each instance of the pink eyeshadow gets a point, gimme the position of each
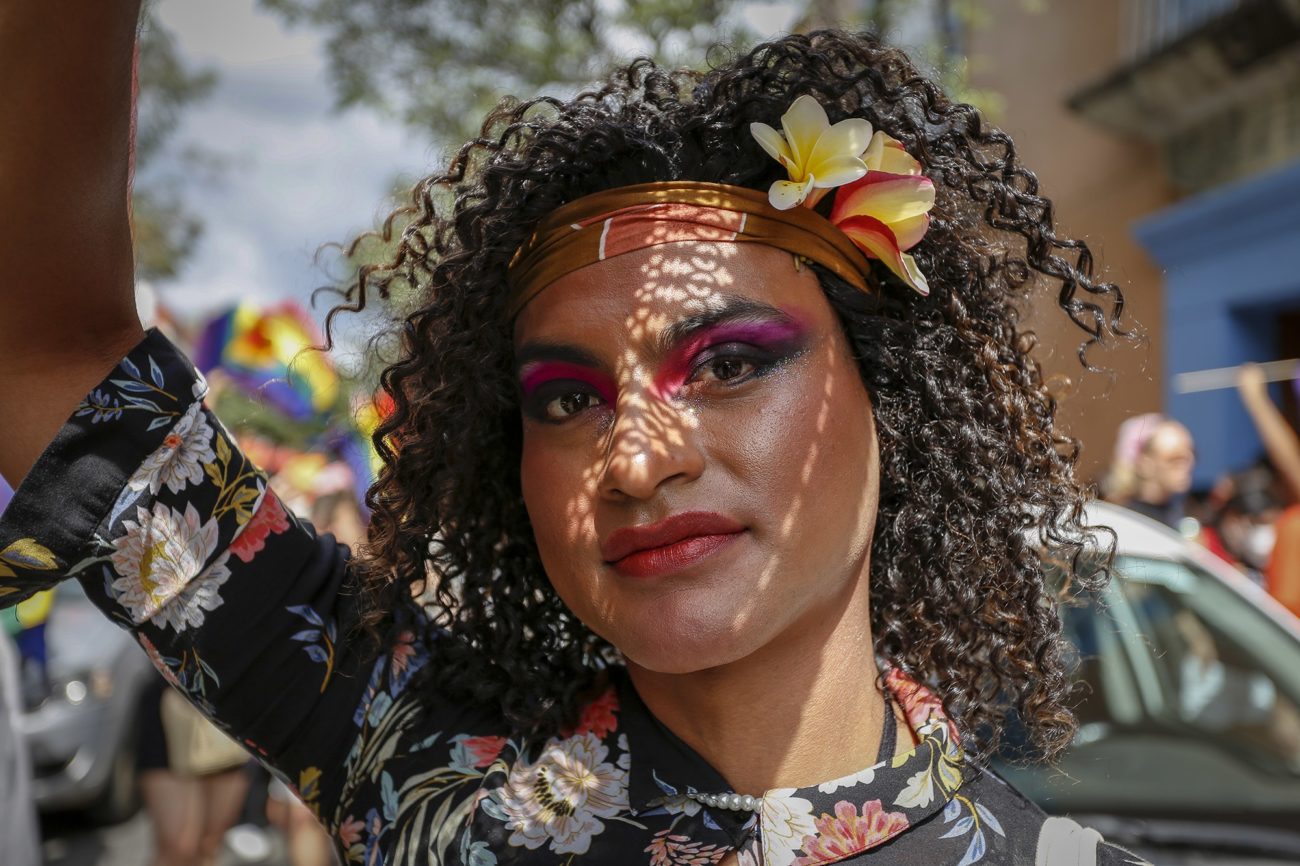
(768, 336)
(535, 375)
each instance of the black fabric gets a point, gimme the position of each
(150, 739)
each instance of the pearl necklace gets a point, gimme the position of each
(732, 801)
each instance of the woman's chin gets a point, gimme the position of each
(688, 645)
(679, 660)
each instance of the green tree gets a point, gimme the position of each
(165, 230)
(440, 64)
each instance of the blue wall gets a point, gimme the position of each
(1231, 259)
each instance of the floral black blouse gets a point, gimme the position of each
(144, 497)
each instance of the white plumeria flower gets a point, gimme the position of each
(817, 155)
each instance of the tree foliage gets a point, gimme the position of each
(165, 230)
(440, 64)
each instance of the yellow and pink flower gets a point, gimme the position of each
(883, 201)
(817, 155)
(888, 211)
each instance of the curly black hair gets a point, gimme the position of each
(976, 481)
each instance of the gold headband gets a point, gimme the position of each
(617, 221)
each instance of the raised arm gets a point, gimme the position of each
(1280, 442)
(126, 481)
(67, 308)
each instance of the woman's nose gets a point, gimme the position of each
(652, 442)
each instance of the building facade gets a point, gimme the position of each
(1167, 132)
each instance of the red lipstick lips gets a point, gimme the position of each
(669, 545)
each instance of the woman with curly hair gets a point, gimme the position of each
(719, 468)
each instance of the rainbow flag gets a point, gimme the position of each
(262, 349)
(367, 418)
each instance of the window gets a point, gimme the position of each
(1189, 702)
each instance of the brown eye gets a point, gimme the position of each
(726, 368)
(569, 404)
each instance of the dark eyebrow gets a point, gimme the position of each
(547, 351)
(734, 308)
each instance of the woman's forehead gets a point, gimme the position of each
(637, 296)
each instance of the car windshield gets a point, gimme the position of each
(1188, 701)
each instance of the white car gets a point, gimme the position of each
(1188, 749)
(80, 730)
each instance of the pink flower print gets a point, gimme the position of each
(400, 655)
(678, 850)
(918, 703)
(350, 831)
(482, 751)
(156, 657)
(269, 518)
(846, 832)
(600, 717)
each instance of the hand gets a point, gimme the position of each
(1251, 383)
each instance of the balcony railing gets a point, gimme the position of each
(1149, 25)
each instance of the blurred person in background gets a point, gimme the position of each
(1241, 530)
(338, 513)
(1282, 573)
(1151, 471)
(190, 807)
(1162, 473)
(307, 842)
(1120, 480)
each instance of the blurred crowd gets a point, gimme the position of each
(1250, 517)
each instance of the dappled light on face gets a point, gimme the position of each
(790, 521)
(814, 448)
(715, 382)
(649, 440)
(687, 281)
(579, 514)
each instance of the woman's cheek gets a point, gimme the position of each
(558, 494)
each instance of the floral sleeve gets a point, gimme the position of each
(145, 498)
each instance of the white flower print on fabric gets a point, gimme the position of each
(625, 759)
(561, 797)
(785, 821)
(160, 566)
(862, 777)
(179, 461)
(919, 791)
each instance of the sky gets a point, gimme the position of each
(298, 173)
